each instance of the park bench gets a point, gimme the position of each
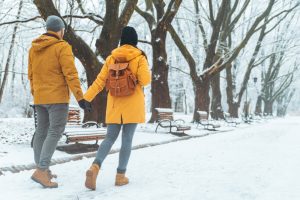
(74, 115)
(76, 132)
(165, 119)
(205, 122)
(230, 120)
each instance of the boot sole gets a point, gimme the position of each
(45, 186)
(121, 184)
(88, 181)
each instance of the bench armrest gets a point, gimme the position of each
(89, 124)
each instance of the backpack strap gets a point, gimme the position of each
(118, 66)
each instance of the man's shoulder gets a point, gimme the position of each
(63, 44)
(64, 47)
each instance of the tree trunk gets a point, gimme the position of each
(201, 98)
(234, 110)
(113, 25)
(283, 102)
(109, 40)
(280, 107)
(160, 71)
(10, 51)
(233, 105)
(246, 109)
(12, 87)
(216, 104)
(268, 108)
(258, 107)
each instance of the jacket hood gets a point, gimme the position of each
(126, 53)
(45, 41)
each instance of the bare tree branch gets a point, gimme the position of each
(147, 16)
(127, 12)
(86, 16)
(20, 21)
(211, 12)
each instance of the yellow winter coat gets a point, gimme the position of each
(128, 109)
(51, 71)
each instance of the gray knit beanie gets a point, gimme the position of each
(54, 23)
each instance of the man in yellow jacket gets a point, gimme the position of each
(52, 74)
(122, 111)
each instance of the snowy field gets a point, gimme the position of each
(258, 162)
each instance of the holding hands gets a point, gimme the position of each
(84, 104)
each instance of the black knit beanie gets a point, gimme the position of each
(129, 36)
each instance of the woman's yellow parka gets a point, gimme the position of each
(128, 109)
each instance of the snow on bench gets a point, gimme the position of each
(167, 110)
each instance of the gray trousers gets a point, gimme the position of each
(51, 122)
(113, 131)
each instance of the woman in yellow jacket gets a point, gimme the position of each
(122, 111)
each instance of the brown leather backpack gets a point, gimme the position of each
(121, 81)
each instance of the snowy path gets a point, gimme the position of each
(260, 162)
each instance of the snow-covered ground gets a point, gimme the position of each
(16, 134)
(260, 162)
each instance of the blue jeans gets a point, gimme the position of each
(113, 131)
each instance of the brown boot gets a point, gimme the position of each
(91, 176)
(51, 175)
(121, 179)
(42, 177)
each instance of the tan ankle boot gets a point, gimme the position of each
(91, 176)
(42, 177)
(121, 179)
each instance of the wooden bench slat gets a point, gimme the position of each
(78, 131)
(184, 128)
(162, 118)
(86, 136)
(82, 139)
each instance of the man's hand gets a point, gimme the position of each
(84, 104)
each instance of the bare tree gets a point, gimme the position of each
(215, 63)
(234, 100)
(278, 76)
(158, 26)
(273, 84)
(283, 102)
(10, 51)
(224, 45)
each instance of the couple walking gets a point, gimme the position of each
(52, 74)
